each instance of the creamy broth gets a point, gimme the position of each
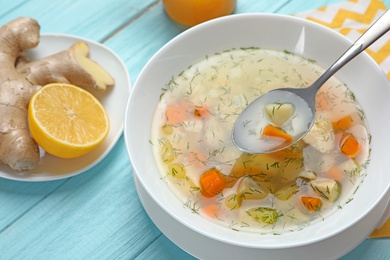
(191, 136)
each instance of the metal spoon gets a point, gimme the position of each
(245, 134)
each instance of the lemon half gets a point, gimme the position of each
(67, 121)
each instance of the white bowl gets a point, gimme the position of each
(270, 31)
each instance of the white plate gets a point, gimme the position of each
(114, 100)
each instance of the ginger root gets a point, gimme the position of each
(69, 66)
(17, 149)
(19, 82)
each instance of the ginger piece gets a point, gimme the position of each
(20, 79)
(69, 66)
(17, 148)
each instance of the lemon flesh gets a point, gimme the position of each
(67, 121)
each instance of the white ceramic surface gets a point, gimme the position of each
(204, 247)
(363, 76)
(114, 101)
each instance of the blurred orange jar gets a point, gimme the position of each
(193, 12)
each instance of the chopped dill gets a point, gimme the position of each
(222, 85)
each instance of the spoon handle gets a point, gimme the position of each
(374, 32)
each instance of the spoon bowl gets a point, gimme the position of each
(252, 120)
(250, 124)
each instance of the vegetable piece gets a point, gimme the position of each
(19, 83)
(176, 113)
(272, 170)
(312, 203)
(343, 123)
(17, 148)
(321, 136)
(177, 170)
(335, 173)
(69, 66)
(349, 145)
(167, 129)
(349, 168)
(250, 189)
(279, 113)
(201, 111)
(212, 182)
(211, 210)
(233, 201)
(317, 161)
(327, 189)
(285, 193)
(271, 131)
(264, 215)
(308, 175)
(322, 101)
(168, 154)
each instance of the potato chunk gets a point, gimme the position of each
(177, 170)
(308, 175)
(250, 189)
(279, 113)
(321, 136)
(233, 201)
(327, 189)
(285, 193)
(264, 215)
(168, 154)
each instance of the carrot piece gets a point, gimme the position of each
(273, 131)
(335, 173)
(343, 123)
(321, 102)
(201, 111)
(312, 203)
(211, 210)
(176, 113)
(349, 145)
(212, 182)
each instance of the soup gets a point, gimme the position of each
(270, 193)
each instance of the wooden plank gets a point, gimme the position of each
(94, 215)
(98, 214)
(139, 41)
(65, 211)
(259, 6)
(17, 198)
(95, 20)
(6, 8)
(296, 6)
(377, 248)
(170, 251)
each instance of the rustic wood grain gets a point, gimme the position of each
(97, 215)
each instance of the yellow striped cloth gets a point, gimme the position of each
(352, 18)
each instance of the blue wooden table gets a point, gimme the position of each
(97, 214)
